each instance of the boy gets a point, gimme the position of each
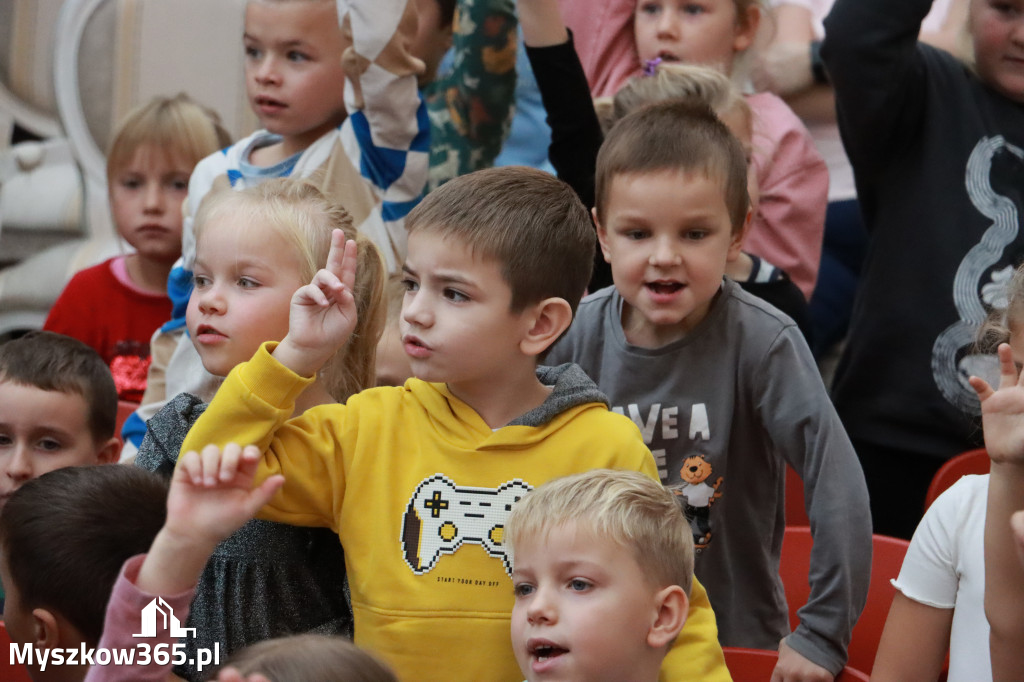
(418, 480)
(334, 87)
(58, 407)
(602, 565)
(721, 384)
(63, 539)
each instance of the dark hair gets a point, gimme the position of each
(675, 135)
(66, 534)
(446, 13)
(311, 658)
(533, 224)
(54, 362)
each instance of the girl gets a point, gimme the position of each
(314, 658)
(244, 281)
(940, 599)
(115, 306)
(788, 225)
(937, 149)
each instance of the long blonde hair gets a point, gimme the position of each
(306, 217)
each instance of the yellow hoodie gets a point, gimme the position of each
(418, 487)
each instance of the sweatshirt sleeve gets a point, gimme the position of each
(805, 429)
(124, 619)
(575, 132)
(873, 59)
(471, 108)
(252, 407)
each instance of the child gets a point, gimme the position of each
(311, 658)
(63, 539)
(936, 148)
(721, 384)
(268, 579)
(58, 406)
(939, 603)
(417, 480)
(635, 34)
(602, 565)
(116, 306)
(334, 88)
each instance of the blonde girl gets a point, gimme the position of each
(255, 247)
(311, 658)
(115, 306)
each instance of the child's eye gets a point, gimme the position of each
(410, 285)
(200, 281)
(49, 444)
(5, 440)
(252, 52)
(636, 235)
(295, 56)
(648, 8)
(131, 183)
(455, 296)
(523, 589)
(579, 585)
(696, 235)
(179, 184)
(693, 9)
(247, 283)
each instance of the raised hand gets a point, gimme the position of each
(323, 313)
(1002, 410)
(211, 496)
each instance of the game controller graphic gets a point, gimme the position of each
(442, 516)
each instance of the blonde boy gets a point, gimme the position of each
(418, 480)
(602, 564)
(722, 385)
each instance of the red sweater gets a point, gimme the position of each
(102, 308)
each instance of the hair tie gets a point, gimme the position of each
(651, 66)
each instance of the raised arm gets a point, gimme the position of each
(1002, 417)
(471, 108)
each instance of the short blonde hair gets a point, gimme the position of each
(626, 507)
(303, 215)
(310, 657)
(178, 126)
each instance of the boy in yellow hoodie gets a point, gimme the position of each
(418, 480)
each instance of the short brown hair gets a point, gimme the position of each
(675, 135)
(66, 534)
(625, 507)
(311, 657)
(533, 224)
(54, 362)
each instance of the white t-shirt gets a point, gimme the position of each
(945, 568)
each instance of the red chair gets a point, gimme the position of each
(886, 560)
(755, 665)
(10, 672)
(970, 462)
(796, 514)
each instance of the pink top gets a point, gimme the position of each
(603, 36)
(124, 620)
(789, 225)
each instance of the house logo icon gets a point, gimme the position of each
(159, 610)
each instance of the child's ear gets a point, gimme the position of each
(547, 320)
(602, 236)
(736, 243)
(746, 28)
(109, 452)
(673, 607)
(46, 631)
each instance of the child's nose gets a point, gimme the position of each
(211, 300)
(541, 608)
(416, 311)
(668, 25)
(267, 71)
(154, 197)
(19, 464)
(665, 254)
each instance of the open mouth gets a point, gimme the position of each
(668, 57)
(269, 102)
(207, 330)
(544, 652)
(664, 288)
